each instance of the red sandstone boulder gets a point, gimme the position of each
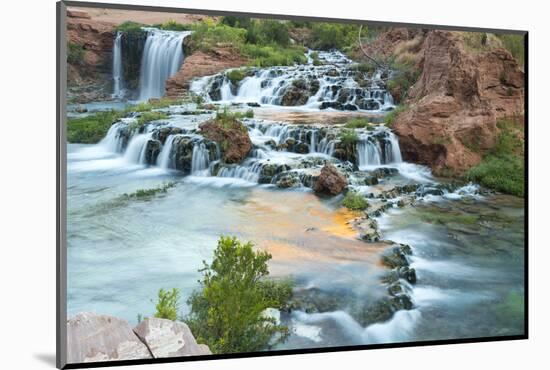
(330, 181)
(232, 137)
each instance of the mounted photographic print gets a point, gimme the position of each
(235, 185)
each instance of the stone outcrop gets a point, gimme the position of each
(90, 75)
(232, 137)
(93, 338)
(166, 338)
(330, 181)
(454, 106)
(200, 64)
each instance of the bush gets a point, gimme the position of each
(238, 22)
(326, 36)
(172, 25)
(130, 27)
(168, 304)
(355, 202)
(228, 312)
(348, 137)
(147, 117)
(515, 45)
(390, 116)
(75, 53)
(502, 168)
(237, 75)
(92, 128)
(273, 55)
(208, 35)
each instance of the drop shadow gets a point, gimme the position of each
(46, 358)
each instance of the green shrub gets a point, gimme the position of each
(355, 202)
(75, 53)
(237, 75)
(92, 128)
(172, 25)
(130, 27)
(326, 36)
(502, 168)
(273, 55)
(515, 45)
(208, 35)
(348, 137)
(227, 313)
(168, 304)
(390, 116)
(358, 122)
(147, 117)
(238, 22)
(403, 77)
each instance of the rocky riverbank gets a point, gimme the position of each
(96, 338)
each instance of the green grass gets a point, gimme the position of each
(355, 202)
(172, 25)
(92, 128)
(443, 218)
(273, 55)
(152, 104)
(237, 75)
(502, 169)
(515, 45)
(147, 117)
(75, 53)
(142, 194)
(227, 118)
(130, 27)
(357, 122)
(390, 116)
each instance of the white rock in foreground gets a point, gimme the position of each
(92, 337)
(166, 338)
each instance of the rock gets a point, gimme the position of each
(408, 274)
(166, 338)
(152, 150)
(296, 94)
(253, 104)
(383, 172)
(396, 256)
(330, 181)
(456, 102)
(81, 109)
(232, 138)
(290, 180)
(371, 180)
(73, 13)
(92, 337)
(200, 64)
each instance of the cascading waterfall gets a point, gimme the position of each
(162, 58)
(164, 159)
(334, 85)
(200, 159)
(135, 152)
(112, 141)
(370, 152)
(118, 80)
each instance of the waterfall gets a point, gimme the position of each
(162, 58)
(335, 85)
(200, 159)
(112, 141)
(326, 146)
(135, 153)
(395, 150)
(368, 154)
(164, 160)
(312, 141)
(382, 147)
(118, 80)
(248, 172)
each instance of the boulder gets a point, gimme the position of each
(232, 138)
(92, 337)
(166, 338)
(330, 181)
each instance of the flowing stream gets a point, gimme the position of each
(467, 243)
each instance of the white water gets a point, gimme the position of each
(337, 82)
(164, 160)
(200, 159)
(371, 153)
(162, 58)
(135, 153)
(118, 80)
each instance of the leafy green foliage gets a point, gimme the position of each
(355, 202)
(403, 77)
(208, 35)
(91, 128)
(503, 168)
(348, 137)
(130, 27)
(168, 304)
(228, 312)
(326, 36)
(266, 32)
(75, 53)
(237, 75)
(141, 194)
(273, 55)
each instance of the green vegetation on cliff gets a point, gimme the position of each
(130, 27)
(75, 53)
(228, 312)
(502, 168)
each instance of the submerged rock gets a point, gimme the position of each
(330, 181)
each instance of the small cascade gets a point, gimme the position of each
(164, 160)
(380, 147)
(335, 84)
(326, 146)
(368, 153)
(162, 58)
(118, 80)
(200, 159)
(313, 134)
(247, 171)
(112, 141)
(135, 152)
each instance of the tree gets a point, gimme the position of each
(228, 312)
(168, 304)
